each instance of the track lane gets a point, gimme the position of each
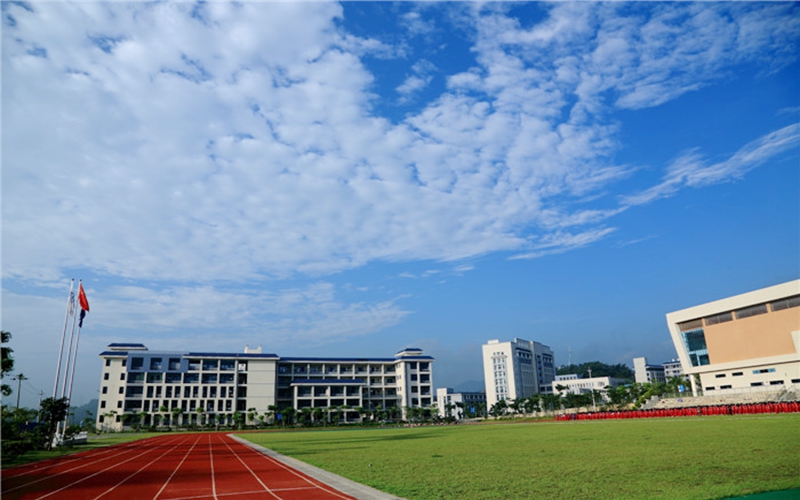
(208, 466)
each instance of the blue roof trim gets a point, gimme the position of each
(121, 354)
(123, 344)
(328, 381)
(413, 358)
(228, 355)
(340, 360)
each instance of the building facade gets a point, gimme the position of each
(573, 384)
(645, 373)
(458, 404)
(517, 369)
(183, 388)
(745, 342)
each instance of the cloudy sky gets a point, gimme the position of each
(349, 179)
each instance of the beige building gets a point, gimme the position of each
(748, 342)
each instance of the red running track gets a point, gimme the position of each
(177, 467)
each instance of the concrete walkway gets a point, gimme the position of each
(352, 488)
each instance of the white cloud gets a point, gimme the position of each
(213, 142)
(692, 170)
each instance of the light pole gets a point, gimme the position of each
(19, 379)
(594, 405)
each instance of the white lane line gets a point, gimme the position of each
(213, 478)
(97, 473)
(151, 462)
(251, 471)
(122, 452)
(176, 468)
(319, 485)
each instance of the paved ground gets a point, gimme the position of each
(179, 467)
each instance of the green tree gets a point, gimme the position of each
(51, 412)
(7, 362)
(176, 413)
(200, 421)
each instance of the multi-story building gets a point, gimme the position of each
(188, 388)
(517, 369)
(458, 404)
(574, 384)
(645, 373)
(673, 368)
(745, 342)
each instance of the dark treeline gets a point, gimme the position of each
(598, 370)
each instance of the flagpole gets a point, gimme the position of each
(70, 306)
(75, 357)
(69, 353)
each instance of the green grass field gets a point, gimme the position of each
(678, 458)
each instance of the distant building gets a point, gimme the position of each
(748, 342)
(573, 384)
(459, 403)
(647, 374)
(179, 388)
(673, 368)
(517, 369)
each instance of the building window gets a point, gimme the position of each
(108, 362)
(102, 405)
(122, 376)
(121, 390)
(155, 363)
(119, 404)
(776, 382)
(737, 374)
(709, 389)
(124, 363)
(756, 384)
(786, 303)
(695, 343)
(724, 387)
(719, 318)
(105, 390)
(719, 375)
(746, 312)
(105, 376)
(174, 364)
(137, 363)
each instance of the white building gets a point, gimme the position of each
(517, 369)
(573, 384)
(459, 404)
(179, 388)
(647, 374)
(673, 368)
(748, 342)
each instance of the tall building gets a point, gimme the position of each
(517, 369)
(646, 373)
(745, 342)
(181, 388)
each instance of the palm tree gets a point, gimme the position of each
(176, 413)
(272, 410)
(199, 410)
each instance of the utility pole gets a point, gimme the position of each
(19, 378)
(594, 405)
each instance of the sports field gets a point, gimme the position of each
(675, 458)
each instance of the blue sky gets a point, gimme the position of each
(331, 179)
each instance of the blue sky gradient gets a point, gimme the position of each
(328, 179)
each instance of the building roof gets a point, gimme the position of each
(340, 360)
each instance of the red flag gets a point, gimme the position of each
(82, 298)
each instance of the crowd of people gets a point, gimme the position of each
(693, 411)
